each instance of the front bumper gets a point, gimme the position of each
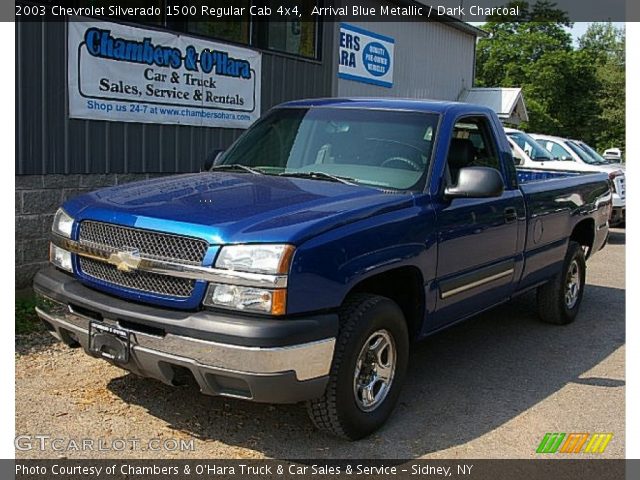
(259, 359)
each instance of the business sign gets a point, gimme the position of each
(365, 56)
(129, 74)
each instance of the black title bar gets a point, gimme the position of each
(328, 10)
(540, 469)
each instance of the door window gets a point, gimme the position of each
(471, 146)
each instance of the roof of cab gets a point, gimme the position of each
(431, 106)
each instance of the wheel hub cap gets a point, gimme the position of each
(374, 371)
(573, 284)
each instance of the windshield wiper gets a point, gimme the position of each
(319, 176)
(237, 166)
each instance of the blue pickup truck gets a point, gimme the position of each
(305, 261)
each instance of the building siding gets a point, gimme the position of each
(432, 60)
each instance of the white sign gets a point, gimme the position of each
(130, 74)
(365, 56)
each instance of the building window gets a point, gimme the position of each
(237, 31)
(295, 37)
(298, 36)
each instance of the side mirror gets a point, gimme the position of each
(476, 182)
(212, 158)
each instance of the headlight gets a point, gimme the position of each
(271, 259)
(60, 258)
(62, 224)
(250, 299)
(262, 259)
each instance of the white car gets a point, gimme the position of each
(613, 154)
(530, 154)
(577, 155)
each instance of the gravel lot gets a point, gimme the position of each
(489, 388)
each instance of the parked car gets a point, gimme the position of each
(331, 235)
(614, 155)
(580, 156)
(595, 155)
(528, 153)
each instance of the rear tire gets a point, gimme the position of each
(372, 345)
(559, 299)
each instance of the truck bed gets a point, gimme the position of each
(555, 201)
(548, 191)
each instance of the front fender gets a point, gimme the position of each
(326, 268)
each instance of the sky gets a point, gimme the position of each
(577, 31)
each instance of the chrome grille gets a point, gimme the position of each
(155, 245)
(144, 281)
(159, 246)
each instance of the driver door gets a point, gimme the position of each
(477, 237)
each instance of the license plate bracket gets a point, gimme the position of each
(110, 342)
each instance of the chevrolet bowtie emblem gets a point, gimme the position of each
(125, 261)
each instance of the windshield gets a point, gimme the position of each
(379, 148)
(530, 146)
(595, 155)
(584, 156)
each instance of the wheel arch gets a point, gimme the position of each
(405, 286)
(584, 233)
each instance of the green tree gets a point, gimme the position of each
(604, 45)
(560, 83)
(603, 41)
(534, 51)
(515, 42)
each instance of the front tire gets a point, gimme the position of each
(559, 299)
(368, 369)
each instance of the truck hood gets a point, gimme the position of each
(225, 207)
(611, 167)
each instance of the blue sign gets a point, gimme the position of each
(376, 59)
(365, 56)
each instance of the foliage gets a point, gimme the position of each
(26, 319)
(573, 91)
(604, 44)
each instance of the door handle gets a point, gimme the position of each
(510, 214)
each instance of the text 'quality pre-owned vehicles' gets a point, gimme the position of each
(331, 235)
